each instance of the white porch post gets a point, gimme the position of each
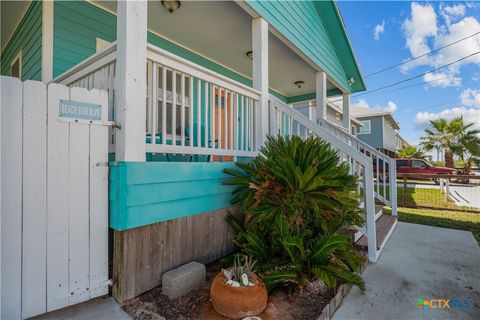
(131, 80)
(260, 76)
(346, 112)
(321, 94)
(47, 41)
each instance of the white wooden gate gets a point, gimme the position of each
(54, 199)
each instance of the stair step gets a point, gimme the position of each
(383, 226)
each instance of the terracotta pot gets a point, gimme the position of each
(238, 302)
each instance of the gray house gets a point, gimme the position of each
(334, 114)
(378, 129)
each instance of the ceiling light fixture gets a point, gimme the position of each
(299, 84)
(250, 54)
(351, 81)
(171, 5)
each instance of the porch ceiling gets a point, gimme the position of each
(221, 31)
(11, 14)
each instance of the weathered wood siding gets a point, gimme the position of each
(27, 38)
(141, 255)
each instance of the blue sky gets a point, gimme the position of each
(386, 33)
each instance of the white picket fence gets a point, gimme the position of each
(54, 199)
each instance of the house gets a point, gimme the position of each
(193, 86)
(379, 129)
(401, 142)
(333, 115)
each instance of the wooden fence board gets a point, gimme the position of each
(34, 264)
(98, 205)
(78, 206)
(11, 219)
(58, 294)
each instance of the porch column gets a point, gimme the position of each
(260, 76)
(321, 94)
(346, 112)
(131, 80)
(47, 41)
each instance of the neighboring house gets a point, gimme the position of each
(401, 142)
(379, 129)
(189, 92)
(334, 114)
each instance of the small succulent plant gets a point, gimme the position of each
(240, 274)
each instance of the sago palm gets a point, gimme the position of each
(296, 197)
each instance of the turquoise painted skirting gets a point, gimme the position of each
(143, 193)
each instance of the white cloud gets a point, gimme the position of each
(362, 103)
(425, 30)
(451, 13)
(421, 25)
(378, 30)
(470, 97)
(442, 79)
(470, 115)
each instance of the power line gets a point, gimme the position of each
(428, 107)
(420, 56)
(418, 75)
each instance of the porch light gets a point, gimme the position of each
(250, 54)
(351, 81)
(171, 5)
(299, 84)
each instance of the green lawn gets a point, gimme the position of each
(468, 221)
(424, 197)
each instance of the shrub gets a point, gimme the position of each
(296, 197)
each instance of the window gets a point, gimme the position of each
(419, 164)
(365, 127)
(102, 44)
(402, 163)
(16, 66)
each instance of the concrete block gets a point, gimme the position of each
(179, 281)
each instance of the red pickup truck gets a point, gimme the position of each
(418, 166)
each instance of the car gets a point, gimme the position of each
(419, 166)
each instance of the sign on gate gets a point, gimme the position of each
(80, 110)
(54, 209)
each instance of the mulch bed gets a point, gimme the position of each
(300, 305)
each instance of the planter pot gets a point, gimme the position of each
(238, 302)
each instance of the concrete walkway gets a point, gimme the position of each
(103, 308)
(419, 262)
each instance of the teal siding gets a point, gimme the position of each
(375, 137)
(300, 23)
(28, 39)
(77, 25)
(143, 193)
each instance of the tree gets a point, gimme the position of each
(455, 138)
(413, 152)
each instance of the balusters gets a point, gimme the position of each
(164, 105)
(182, 110)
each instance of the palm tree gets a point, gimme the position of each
(455, 138)
(413, 152)
(469, 147)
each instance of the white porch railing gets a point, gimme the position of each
(385, 170)
(192, 110)
(209, 114)
(285, 120)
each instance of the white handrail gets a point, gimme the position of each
(352, 154)
(89, 65)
